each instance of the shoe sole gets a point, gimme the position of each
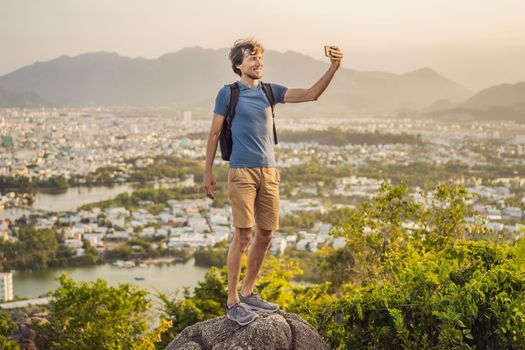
(255, 308)
(241, 323)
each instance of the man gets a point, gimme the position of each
(253, 180)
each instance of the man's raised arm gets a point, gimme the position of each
(313, 93)
(211, 148)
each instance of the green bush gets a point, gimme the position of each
(426, 285)
(467, 295)
(93, 315)
(412, 275)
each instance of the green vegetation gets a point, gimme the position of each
(414, 174)
(206, 301)
(215, 256)
(309, 263)
(27, 184)
(155, 196)
(291, 223)
(338, 137)
(436, 283)
(159, 167)
(36, 249)
(92, 315)
(7, 328)
(39, 249)
(166, 167)
(314, 172)
(58, 183)
(106, 175)
(424, 173)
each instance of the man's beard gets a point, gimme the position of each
(254, 77)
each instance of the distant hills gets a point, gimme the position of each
(506, 101)
(191, 78)
(22, 99)
(507, 95)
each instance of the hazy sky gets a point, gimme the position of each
(476, 42)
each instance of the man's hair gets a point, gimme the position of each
(240, 47)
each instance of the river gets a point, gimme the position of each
(71, 199)
(165, 278)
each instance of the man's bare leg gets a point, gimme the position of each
(256, 256)
(241, 239)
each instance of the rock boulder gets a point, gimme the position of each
(277, 331)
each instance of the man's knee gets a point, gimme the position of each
(265, 235)
(245, 235)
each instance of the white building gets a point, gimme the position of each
(512, 213)
(73, 243)
(278, 246)
(6, 286)
(305, 244)
(291, 239)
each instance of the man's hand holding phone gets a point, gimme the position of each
(335, 53)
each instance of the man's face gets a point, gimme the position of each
(252, 64)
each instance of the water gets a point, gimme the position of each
(75, 197)
(164, 278)
(71, 199)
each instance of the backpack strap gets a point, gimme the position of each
(234, 98)
(267, 88)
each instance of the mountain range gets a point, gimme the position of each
(191, 77)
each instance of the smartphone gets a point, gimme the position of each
(327, 50)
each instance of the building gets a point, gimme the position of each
(6, 286)
(278, 246)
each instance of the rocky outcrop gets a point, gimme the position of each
(277, 331)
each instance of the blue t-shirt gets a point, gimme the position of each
(252, 127)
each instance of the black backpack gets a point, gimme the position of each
(225, 138)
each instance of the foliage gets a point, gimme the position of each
(153, 169)
(206, 301)
(33, 249)
(166, 167)
(414, 274)
(54, 182)
(40, 248)
(465, 295)
(92, 315)
(422, 285)
(31, 184)
(150, 340)
(7, 328)
(215, 256)
(313, 172)
(309, 263)
(156, 196)
(420, 173)
(338, 137)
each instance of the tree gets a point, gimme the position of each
(423, 285)
(92, 315)
(7, 328)
(414, 274)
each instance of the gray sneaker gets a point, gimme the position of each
(240, 314)
(255, 302)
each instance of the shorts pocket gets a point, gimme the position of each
(234, 174)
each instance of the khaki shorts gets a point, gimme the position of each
(254, 197)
